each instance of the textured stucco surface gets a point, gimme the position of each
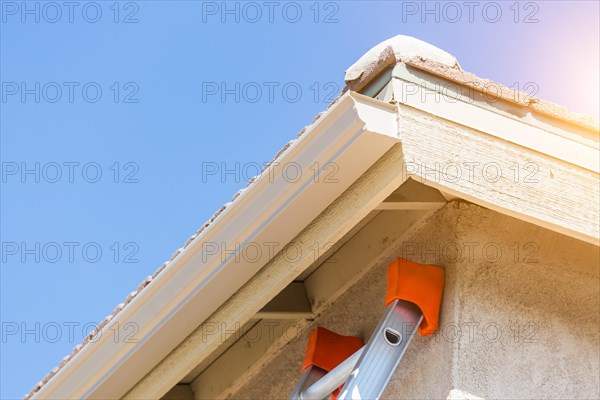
(518, 324)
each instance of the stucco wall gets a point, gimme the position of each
(520, 315)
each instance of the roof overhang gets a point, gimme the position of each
(352, 158)
(323, 162)
(435, 136)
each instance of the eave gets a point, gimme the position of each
(434, 134)
(353, 134)
(376, 145)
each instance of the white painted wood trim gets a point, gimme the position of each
(500, 175)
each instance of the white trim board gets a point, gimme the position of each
(502, 176)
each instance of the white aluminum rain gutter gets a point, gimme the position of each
(340, 146)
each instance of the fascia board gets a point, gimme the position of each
(339, 147)
(438, 97)
(454, 159)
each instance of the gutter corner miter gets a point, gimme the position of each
(379, 117)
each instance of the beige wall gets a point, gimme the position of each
(515, 323)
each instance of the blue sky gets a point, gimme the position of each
(107, 116)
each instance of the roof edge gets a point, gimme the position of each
(350, 132)
(426, 57)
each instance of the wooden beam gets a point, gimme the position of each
(409, 205)
(333, 247)
(345, 212)
(358, 255)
